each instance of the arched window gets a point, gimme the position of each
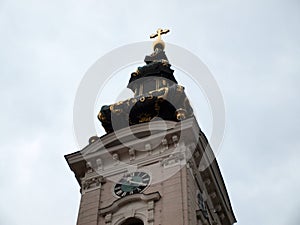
(133, 221)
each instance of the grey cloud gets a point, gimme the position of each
(250, 46)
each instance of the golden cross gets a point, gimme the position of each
(159, 32)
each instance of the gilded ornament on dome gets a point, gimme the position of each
(145, 117)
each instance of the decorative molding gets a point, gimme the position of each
(148, 148)
(115, 157)
(172, 160)
(165, 145)
(155, 196)
(131, 152)
(91, 183)
(222, 216)
(213, 195)
(201, 216)
(218, 208)
(207, 182)
(108, 219)
(89, 167)
(150, 211)
(99, 164)
(175, 140)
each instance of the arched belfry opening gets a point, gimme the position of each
(132, 221)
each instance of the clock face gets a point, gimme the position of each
(132, 183)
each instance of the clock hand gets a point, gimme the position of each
(138, 183)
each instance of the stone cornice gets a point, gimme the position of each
(188, 129)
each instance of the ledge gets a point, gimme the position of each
(155, 196)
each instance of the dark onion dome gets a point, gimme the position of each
(157, 94)
(169, 103)
(154, 69)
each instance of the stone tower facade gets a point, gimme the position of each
(154, 166)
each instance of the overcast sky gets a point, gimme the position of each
(251, 47)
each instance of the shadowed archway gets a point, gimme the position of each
(133, 221)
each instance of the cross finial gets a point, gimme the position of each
(159, 32)
(159, 43)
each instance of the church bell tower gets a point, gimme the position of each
(153, 166)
